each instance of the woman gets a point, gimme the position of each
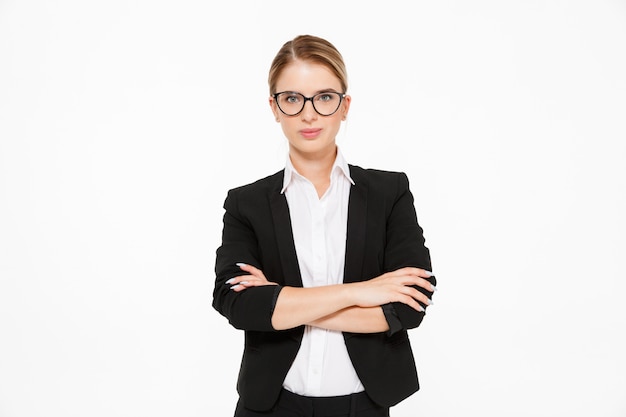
(323, 264)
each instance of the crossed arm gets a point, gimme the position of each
(394, 299)
(353, 307)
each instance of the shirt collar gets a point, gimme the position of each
(340, 166)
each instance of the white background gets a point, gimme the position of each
(124, 123)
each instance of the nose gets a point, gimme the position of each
(308, 112)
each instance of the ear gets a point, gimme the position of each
(345, 107)
(274, 108)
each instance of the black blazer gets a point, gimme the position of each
(382, 235)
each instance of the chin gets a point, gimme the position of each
(312, 145)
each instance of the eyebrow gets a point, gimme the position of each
(326, 90)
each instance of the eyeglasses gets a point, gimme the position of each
(292, 103)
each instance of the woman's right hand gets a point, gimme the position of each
(394, 286)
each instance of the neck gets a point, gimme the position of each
(316, 168)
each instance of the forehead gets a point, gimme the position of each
(307, 78)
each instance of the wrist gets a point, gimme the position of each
(349, 293)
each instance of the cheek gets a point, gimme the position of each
(287, 127)
(336, 122)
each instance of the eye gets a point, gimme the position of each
(325, 97)
(292, 98)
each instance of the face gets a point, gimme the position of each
(309, 134)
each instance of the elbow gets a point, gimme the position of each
(281, 320)
(409, 317)
(251, 309)
(412, 319)
(277, 325)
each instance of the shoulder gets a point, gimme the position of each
(378, 178)
(260, 186)
(251, 196)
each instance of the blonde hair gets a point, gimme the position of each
(308, 48)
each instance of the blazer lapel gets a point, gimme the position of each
(357, 230)
(284, 236)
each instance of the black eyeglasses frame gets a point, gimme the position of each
(341, 97)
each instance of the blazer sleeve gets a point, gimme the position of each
(251, 309)
(405, 246)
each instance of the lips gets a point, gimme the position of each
(310, 133)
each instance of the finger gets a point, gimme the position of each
(237, 280)
(252, 283)
(257, 283)
(417, 295)
(252, 270)
(425, 284)
(420, 282)
(238, 287)
(409, 272)
(249, 284)
(422, 273)
(412, 303)
(248, 268)
(246, 281)
(410, 280)
(233, 281)
(242, 285)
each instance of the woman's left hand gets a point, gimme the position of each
(256, 278)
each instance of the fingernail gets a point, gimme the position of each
(434, 288)
(430, 274)
(243, 282)
(229, 281)
(430, 302)
(240, 264)
(234, 287)
(422, 309)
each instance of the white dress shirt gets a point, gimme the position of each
(322, 367)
